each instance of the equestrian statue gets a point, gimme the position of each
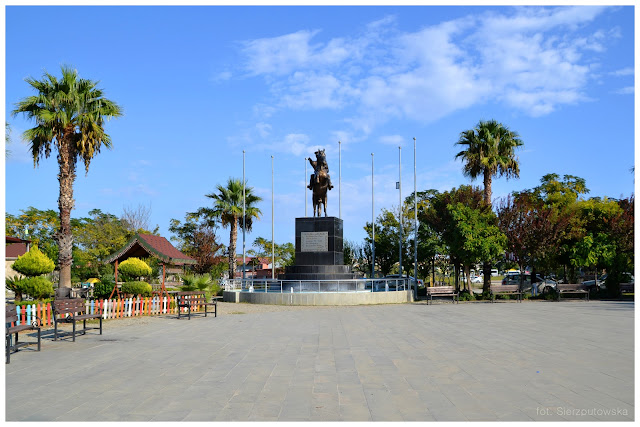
(319, 182)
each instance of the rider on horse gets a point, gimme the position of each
(319, 166)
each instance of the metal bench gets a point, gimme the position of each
(192, 300)
(571, 288)
(441, 291)
(70, 310)
(505, 290)
(11, 320)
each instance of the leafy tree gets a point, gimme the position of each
(387, 240)
(284, 254)
(100, 235)
(69, 113)
(429, 242)
(560, 193)
(533, 229)
(227, 206)
(439, 218)
(38, 226)
(597, 248)
(622, 236)
(475, 236)
(197, 237)
(489, 150)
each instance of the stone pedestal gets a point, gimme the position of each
(319, 253)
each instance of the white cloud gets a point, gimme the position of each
(395, 140)
(629, 71)
(264, 129)
(532, 59)
(629, 90)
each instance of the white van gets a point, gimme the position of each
(494, 271)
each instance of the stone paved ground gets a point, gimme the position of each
(541, 361)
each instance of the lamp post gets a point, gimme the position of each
(373, 229)
(243, 221)
(415, 223)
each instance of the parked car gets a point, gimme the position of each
(590, 284)
(477, 279)
(599, 284)
(411, 278)
(542, 285)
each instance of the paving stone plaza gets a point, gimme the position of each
(543, 361)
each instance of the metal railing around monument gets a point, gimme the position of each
(301, 286)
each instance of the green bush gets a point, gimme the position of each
(466, 296)
(133, 268)
(137, 288)
(40, 301)
(102, 290)
(38, 287)
(33, 263)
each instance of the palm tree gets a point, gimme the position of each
(70, 114)
(489, 150)
(228, 207)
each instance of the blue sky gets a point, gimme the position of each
(199, 85)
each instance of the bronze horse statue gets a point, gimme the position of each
(320, 193)
(320, 182)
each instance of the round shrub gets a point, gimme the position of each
(136, 288)
(33, 263)
(134, 267)
(38, 287)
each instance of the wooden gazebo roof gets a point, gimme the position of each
(143, 245)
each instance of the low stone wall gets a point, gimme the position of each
(325, 298)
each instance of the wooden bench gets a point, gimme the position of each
(626, 288)
(571, 288)
(192, 300)
(70, 310)
(505, 290)
(11, 318)
(441, 291)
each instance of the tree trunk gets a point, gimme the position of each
(486, 265)
(467, 274)
(66, 177)
(233, 237)
(456, 279)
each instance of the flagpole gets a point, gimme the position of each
(415, 222)
(244, 262)
(373, 229)
(273, 257)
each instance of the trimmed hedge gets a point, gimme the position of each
(137, 288)
(134, 267)
(33, 263)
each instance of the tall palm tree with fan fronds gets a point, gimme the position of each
(489, 150)
(70, 114)
(227, 206)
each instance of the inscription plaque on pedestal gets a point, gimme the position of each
(317, 241)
